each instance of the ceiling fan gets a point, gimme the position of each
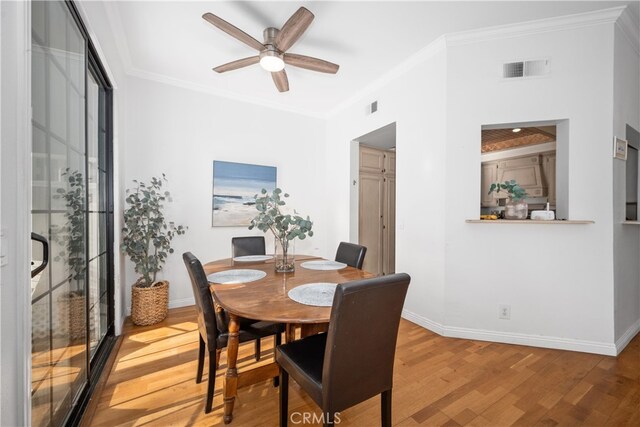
(273, 56)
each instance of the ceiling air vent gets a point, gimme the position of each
(538, 67)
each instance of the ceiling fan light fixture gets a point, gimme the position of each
(271, 61)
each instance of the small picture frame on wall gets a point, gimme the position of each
(619, 148)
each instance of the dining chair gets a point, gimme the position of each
(213, 327)
(353, 361)
(351, 254)
(250, 245)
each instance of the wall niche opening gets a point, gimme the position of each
(529, 153)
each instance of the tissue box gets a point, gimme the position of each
(543, 215)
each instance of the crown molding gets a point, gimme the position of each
(432, 49)
(559, 23)
(567, 22)
(630, 28)
(161, 78)
(615, 15)
(117, 32)
(96, 44)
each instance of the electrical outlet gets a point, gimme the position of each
(504, 312)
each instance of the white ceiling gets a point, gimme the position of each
(168, 40)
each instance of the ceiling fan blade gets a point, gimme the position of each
(233, 31)
(234, 65)
(293, 29)
(311, 63)
(281, 80)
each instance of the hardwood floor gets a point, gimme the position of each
(437, 381)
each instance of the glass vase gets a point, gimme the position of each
(284, 256)
(516, 209)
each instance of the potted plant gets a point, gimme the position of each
(70, 237)
(146, 239)
(516, 207)
(285, 228)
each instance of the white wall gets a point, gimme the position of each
(558, 279)
(626, 237)
(415, 101)
(180, 132)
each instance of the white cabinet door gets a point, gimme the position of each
(488, 177)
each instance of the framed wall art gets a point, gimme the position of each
(234, 188)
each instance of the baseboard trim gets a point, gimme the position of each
(522, 339)
(626, 338)
(423, 321)
(176, 303)
(183, 302)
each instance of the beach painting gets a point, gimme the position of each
(234, 188)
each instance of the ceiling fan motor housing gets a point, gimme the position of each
(270, 35)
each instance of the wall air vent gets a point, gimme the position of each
(538, 67)
(372, 108)
(513, 69)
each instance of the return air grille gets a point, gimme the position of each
(538, 67)
(513, 69)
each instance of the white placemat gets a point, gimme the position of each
(232, 277)
(323, 265)
(318, 294)
(252, 258)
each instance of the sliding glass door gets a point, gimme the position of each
(72, 294)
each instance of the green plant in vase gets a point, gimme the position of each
(146, 235)
(516, 207)
(146, 239)
(285, 227)
(71, 238)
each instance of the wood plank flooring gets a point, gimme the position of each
(437, 381)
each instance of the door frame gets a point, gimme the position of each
(15, 216)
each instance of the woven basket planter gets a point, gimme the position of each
(149, 305)
(71, 318)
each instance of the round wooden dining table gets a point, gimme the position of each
(267, 299)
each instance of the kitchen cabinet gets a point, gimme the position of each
(372, 160)
(488, 177)
(389, 225)
(370, 221)
(549, 175)
(377, 210)
(535, 173)
(525, 171)
(389, 163)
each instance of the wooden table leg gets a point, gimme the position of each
(231, 378)
(290, 332)
(307, 329)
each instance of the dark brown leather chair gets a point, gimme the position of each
(251, 245)
(213, 326)
(351, 254)
(354, 360)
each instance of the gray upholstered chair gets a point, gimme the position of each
(354, 360)
(351, 254)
